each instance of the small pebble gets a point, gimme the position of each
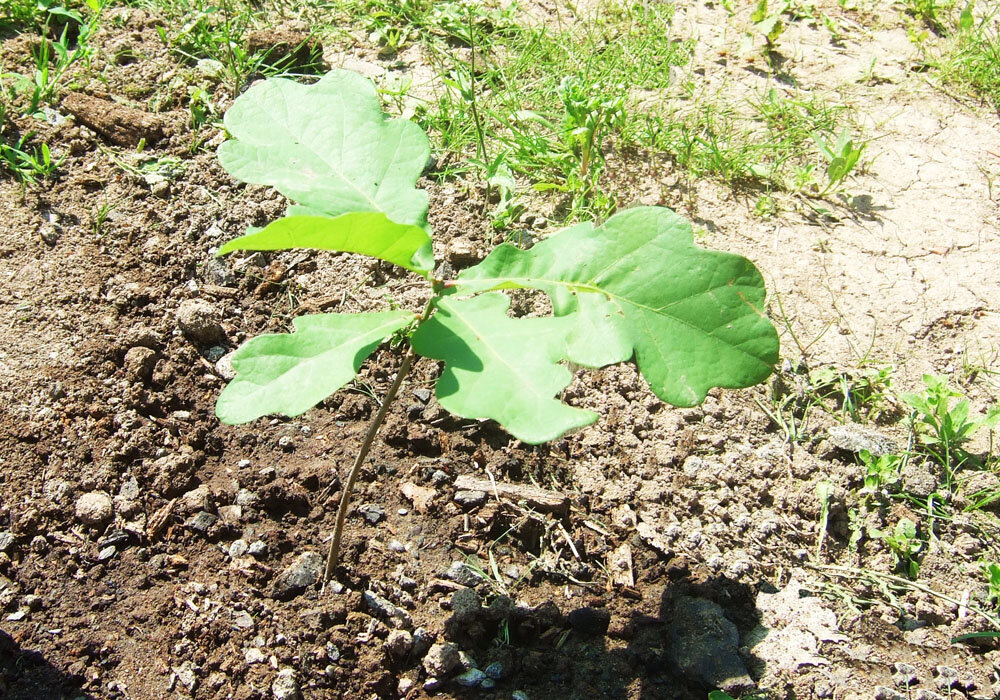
(258, 549)
(494, 670)
(94, 508)
(286, 686)
(238, 548)
(471, 678)
(402, 511)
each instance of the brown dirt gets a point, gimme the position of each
(100, 391)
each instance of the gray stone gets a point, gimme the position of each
(470, 499)
(199, 321)
(471, 678)
(200, 522)
(129, 490)
(286, 686)
(245, 497)
(399, 643)
(422, 640)
(106, 553)
(918, 480)
(258, 549)
(372, 512)
(462, 573)
(58, 491)
(224, 367)
(423, 395)
(703, 645)
(440, 477)
(387, 612)
(854, 438)
(94, 508)
(305, 571)
(441, 659)
(253, 655)
(242, 620)
(6, 541)
(494, 670)
(238, 548)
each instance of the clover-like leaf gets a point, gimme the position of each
(501, 368)
(328, 146)
(692, 317)
(369, 233)
(290, 373)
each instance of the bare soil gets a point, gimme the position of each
(174, 594)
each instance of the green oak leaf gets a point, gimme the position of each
(369, 233)
(501, 368)
(290, 373)
(693, 318)
(328, 147)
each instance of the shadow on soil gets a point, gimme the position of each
(619, 649)
(26, 675)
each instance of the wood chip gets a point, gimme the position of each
(158, 520)
(539, 499)
(419, 496)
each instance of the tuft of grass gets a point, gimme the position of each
(974, 61)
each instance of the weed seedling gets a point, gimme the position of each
(635, 288)
(29, 166)
(941, 428)
(904, 545)
(881, 473)
(841, 158)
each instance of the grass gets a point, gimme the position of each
(974, 61)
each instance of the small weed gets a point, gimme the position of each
(904, 545)
(28, 166)
(768, 23)
(992, 573)
(862, 395)
(942, 428)
(930, 12)
(882, 473)
(842, 157)
(54, 57)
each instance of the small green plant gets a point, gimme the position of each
(634, 288)
(26, 165)
(992, 573)
(904, 545)
(842, 157)
(930, 12)
(768, 23)
(942, 428)
(882, 473)
(54, 57)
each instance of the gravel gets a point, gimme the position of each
(305, 571)
(94, 508)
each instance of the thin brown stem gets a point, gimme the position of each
(333, 555)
